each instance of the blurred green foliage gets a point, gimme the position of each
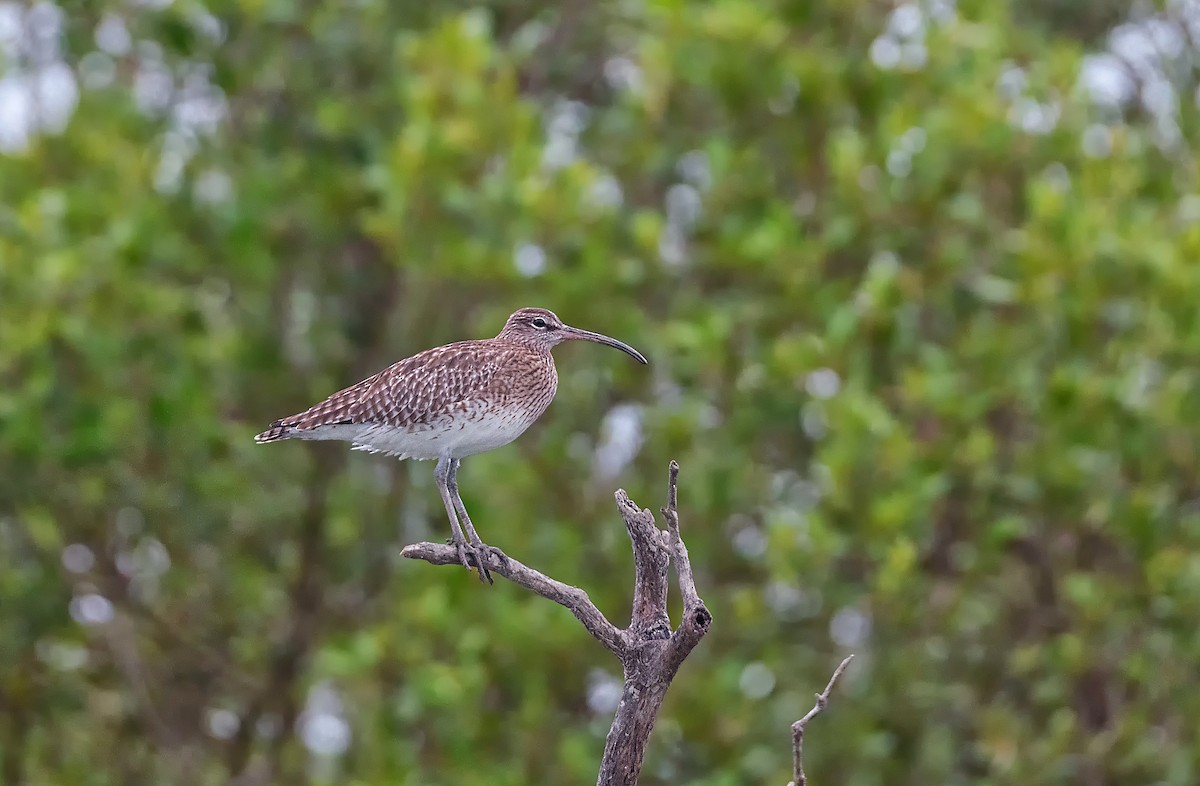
(929, 369)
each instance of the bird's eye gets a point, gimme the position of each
(539, 322)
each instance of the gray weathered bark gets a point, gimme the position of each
(650, 651)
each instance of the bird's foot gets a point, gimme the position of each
(470, 555)
(495, 552)
(461, 546)
(477, 551)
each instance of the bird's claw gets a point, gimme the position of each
(477, 550)
(470, 555)
(462, 553)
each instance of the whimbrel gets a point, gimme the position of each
(448, 403)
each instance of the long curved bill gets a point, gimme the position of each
(600, 338)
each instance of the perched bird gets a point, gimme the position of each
(448, 403)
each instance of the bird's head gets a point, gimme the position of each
(542, 327)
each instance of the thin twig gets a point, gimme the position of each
(798, 727)
(696, 616)
(573, 599)
(683, 565)
(673, 489)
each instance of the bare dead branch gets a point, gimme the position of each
(650, 562)
(572, 598)
(798, 778)
(649, 651)
(696, 616)
(656, 652)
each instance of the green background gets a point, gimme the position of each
(923, 330)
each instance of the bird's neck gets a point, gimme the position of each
(526, 343)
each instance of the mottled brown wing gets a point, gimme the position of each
(432, 384)
(413, 391)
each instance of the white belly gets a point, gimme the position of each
(475, 431)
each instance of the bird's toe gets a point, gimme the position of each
(462, 554)
(477, 552)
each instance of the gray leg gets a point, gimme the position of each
(452, 484)
(441, 475)
(477, 545)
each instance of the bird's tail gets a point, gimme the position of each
(277, 431)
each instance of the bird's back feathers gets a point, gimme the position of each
(425, 388)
